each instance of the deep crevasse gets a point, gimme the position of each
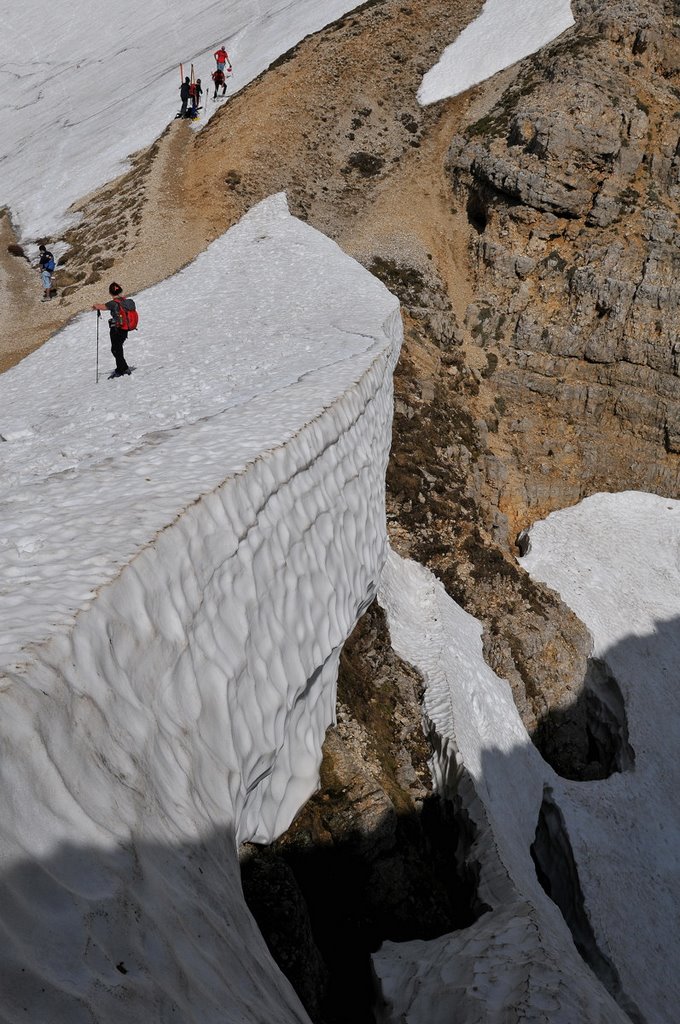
(180, 708)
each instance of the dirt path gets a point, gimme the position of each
(335, 125)
(26, 321)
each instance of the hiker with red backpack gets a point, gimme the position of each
(124, 318)
(196, 97)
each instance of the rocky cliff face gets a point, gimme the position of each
(560, 377)
(571, 185)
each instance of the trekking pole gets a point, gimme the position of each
(96, 378)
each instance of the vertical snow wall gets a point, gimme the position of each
(183, 710)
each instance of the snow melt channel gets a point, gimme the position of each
(175, 600)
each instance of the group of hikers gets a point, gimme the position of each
(191, 92)
(122, 312)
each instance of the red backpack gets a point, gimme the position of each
(128, 317)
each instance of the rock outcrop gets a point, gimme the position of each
(571, 186)
(560, 376)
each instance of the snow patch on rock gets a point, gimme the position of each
(615, 560)
(505, 32)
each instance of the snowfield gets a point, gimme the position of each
(181, 561)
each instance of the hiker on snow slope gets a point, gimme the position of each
(46, 271)
(221, 58)
(196, 97)
(220, 82)
(120, 323)
(184, 93)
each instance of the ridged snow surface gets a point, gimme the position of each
(518, 961)
(183, 554)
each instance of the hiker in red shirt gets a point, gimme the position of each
(221, 58)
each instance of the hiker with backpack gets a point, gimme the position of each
(220, 81)
(124, 318)
(46, 271)
(196, 97)
(193, 102)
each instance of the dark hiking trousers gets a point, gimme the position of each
(118, 336)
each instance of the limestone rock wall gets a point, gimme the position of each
(571, 183)
(539, 364)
